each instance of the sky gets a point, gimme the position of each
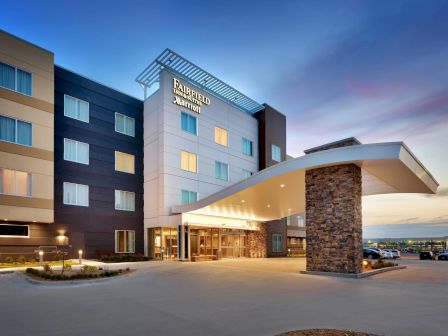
(376, 70)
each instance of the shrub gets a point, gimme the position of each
(47, 268)
(67, 267)
(9, 260)
(21, 260)
(123, 258)
(89, 269)
(32, 260)
(382, 264)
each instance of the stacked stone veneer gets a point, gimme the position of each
(334, 219)
(257, 242)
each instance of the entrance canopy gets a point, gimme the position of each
(279, 191)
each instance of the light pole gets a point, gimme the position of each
(41, 257)
(80, 256)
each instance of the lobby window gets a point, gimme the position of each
(188, 161)
(247, 173)
(76, 194)
(221, 136)
(301, 221)
(247, 147)
(124, 162)
(15, 131)
(76, 108)
(14, 182)
(76, 151)
(276, 153)
(221, 171)
(124, 124)
(276, 243)
(188, 197)
(188, 123)
(15, 79)
(14, 231)
(124, 241)
(124, 200)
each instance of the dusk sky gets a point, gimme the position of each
(376, 70)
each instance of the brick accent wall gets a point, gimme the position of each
(334, 219)
(257, 242)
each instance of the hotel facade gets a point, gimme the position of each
(194, 171)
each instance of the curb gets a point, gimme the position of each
(355, 276)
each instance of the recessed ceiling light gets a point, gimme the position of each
(243, 201)
(282, 185)
(269, 205)
(289, 209)
(34, 221)
(5, 219)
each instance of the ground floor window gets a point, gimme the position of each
(276, 243)
(165, 243)
(17, 231)
(124, 241)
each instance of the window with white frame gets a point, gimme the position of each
(124, 200)
(124, 124)
(124, 162)
(16, 131)
(221, 171)
(15, 183)
(76, 194)
(247, 147)
(188, 197)
(76, 108)
(221, 136)
(124, 241)
(76, 151)
(15, 79)
(276, 153)
(276, 243)
(188, 161)
(247, 173)
(188, 123)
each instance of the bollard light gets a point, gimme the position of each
(80, 256)
(41, 257)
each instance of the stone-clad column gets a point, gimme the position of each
(334, 219)
(257, 242)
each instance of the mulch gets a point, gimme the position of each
(325, 332)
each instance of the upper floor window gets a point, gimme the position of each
(221, 137)
(124, 200)
(188, 161)
(276, 153)
(124, 124)
(276, 243)
(14, 182)
(221, 171)
(76, 151)
(188, 123)
(15, 131)
(189, 197)
(124, 162)
(247, 173)
(247, 147)
(15, 79)
(76, 108)
(76, 194)
(124, 241)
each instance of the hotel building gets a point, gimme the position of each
(194, 171)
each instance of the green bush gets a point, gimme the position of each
(47, 268)
(9, 260)
(123, 258)
(21, 260)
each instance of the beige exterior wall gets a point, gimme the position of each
(39, 111)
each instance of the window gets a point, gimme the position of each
(76, 194)
(221, 171)
(188, 123)
(15, 131)
(76, 108)
(288, 221)
(76, 151)
(124, 162)
(15, 79)
(14, 182)
(276, 153)
(189, 197)
(247, 173)
(16, 231)
(247, 147)
(221, 136)
(124, 124)
(124, 241)
(276, 243)
(188, 161)
(124, 200)
(301, 221)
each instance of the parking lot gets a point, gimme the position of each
(230, 297)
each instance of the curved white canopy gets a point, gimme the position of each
(279, 191)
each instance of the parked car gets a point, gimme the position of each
(387, 254)
(443, 256)
(395, 253)
(371, 254)
(427, 255)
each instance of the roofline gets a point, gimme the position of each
(337, 142)
(26, 41)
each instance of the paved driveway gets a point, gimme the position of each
(235, 297)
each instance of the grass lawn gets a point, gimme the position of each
(51, 263)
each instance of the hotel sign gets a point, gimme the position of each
(187, 97)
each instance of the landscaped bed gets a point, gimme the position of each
(368, 265)
(85, 272)
(116, 258)
(33, 263)
(325, 332)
